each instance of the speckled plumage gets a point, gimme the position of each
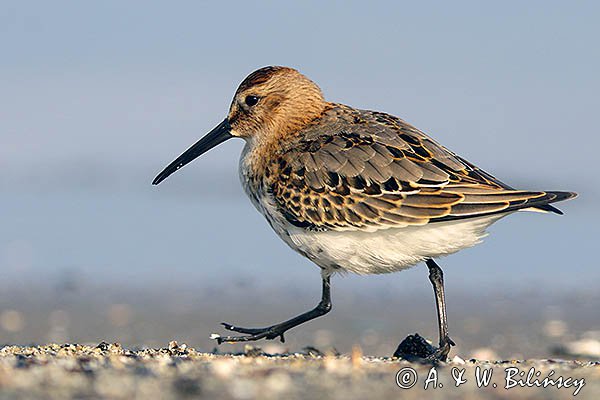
(363, 170)
(350, 170)
(354, 190)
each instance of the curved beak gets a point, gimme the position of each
(218, 135)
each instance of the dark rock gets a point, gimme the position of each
(414, 347)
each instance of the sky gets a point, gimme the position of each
(98, 97)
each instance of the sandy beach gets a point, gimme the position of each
(177, 371)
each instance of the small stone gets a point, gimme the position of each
(414, 347)
(457, 360)
(252, 351)
(103, 346)
(312, 351)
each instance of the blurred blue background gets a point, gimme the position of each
(98, 97)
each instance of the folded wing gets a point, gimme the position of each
(371, 171)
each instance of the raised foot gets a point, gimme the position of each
(270, 333)
(416, 348)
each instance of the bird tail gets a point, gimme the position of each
(478, 205)
(544, 203)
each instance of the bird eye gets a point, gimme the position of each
(251, 100)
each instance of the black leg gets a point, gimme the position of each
(436, 276)
(274, 331)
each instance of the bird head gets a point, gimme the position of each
(270, 104)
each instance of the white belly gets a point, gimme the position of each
(387, 250)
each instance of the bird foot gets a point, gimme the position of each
(416, 348)
(270, 333)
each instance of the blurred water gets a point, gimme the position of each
(146, 267)
(150, 236)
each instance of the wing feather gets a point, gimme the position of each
(368, 170)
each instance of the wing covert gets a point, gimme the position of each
(369, 170)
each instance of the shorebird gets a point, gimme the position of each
(355, 190)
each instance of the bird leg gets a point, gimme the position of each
(436, 276)
(414, 346)
(274, 331)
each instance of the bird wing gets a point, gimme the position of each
(367, 170)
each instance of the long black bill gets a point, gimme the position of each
(218, 135)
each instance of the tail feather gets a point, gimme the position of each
(558, 196)
(538, 201)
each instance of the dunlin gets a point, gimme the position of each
(355, 190)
